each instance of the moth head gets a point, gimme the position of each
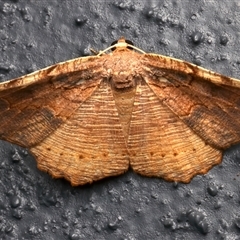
(122, 43)
(122, 80)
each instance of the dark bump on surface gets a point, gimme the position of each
(4, 69)
(212, 189)
(16, 158)
(224, 40)
(80, 21)
(15, 201)
(218, 204)
(199, 220)
(197, 37)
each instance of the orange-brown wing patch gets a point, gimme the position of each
(33, 106)
(161, 145)
(211, 111)
(89, 146)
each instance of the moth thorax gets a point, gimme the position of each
(123, 80)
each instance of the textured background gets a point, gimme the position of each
(35, 34)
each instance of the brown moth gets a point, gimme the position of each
(94, 117)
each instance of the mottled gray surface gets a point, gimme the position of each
(35, 34)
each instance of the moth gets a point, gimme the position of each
(94, 117)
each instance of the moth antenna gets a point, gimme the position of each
(94, 51)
